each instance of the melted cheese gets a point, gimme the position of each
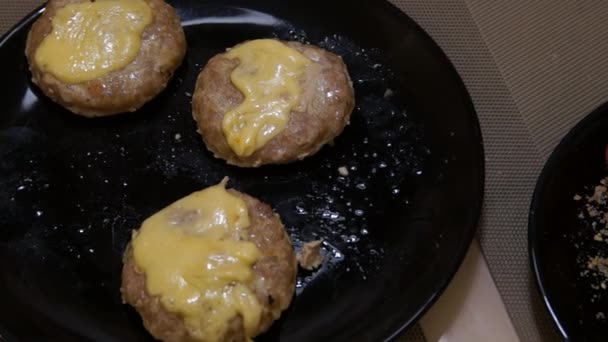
(91, 39)
(196, 259)
(267, 76)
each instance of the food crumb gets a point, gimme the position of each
(343, 171)
(599, 195)
(592, 211)
(309, 257)
(178, 137)
(592, 259)
(388, 93)
(600, 316)
(599, 264)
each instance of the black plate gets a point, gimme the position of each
(560, 241)
(395, 229)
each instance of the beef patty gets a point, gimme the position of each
(163, 46)
(325, 104)
(273, 282)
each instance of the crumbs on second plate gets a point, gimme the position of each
(592, 242)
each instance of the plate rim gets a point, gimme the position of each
(476, 208)
(31, 16)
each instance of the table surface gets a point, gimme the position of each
(533, 69)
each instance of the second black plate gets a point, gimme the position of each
(562, 235)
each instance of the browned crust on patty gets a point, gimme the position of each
(314, 122)
(163, 46)
(273, 280)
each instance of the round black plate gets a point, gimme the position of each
(395, 229)
(560, 241)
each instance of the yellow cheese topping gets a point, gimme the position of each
(267, 76)
(197, 260)
(91, 39)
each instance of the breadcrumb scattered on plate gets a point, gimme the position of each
(309, 257)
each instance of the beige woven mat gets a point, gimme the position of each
(533, 69)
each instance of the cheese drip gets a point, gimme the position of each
(92, 39)
(268, 77)
(197, 259)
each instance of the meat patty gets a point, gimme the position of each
(323, 110)
(273, 282)
(163, 46)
